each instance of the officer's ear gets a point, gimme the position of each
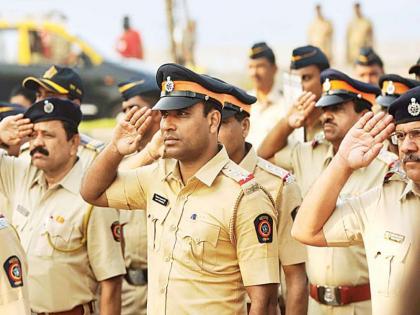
(215, 120)
(245, 125)
(75, 142)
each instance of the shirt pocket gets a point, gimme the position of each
(156, 217)
(389, 265)
(57, 237)
(200, 245)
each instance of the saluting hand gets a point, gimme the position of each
(14, 129)
(364, 140)
(129, 132)
(301, 110)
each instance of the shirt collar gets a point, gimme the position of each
(330, 154)
(249, 162)
(71, 180)
(409, 189)
(206, 174)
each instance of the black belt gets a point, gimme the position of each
(137, 277)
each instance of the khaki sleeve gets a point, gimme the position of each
(104, 244)
(346, 225)
(256, 240)
(291, 251)
(11, 171)
(284, 157)
(127, 192)
(13, 290)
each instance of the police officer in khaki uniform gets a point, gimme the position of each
(211, 229)
(385, 219)
(283, 190)
(64, 83)
(71, 246)
(13, 273)
(339, 278)
(392, 86)
(307, 62)
(140, 92)
(368, 66)
(320, 32)
(359, 34)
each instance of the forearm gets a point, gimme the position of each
(275, 140)
(320, 202)
(100, 175)
(263, 299)
(110, 302)
(142, 158)
(297, 290)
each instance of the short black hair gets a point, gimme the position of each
(26, 93)
(240, 116)
(361, 105)
(70, 130)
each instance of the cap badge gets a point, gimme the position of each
(414, 107)
(327, 85)
(390, 88)
(169, 85)
(48, 107)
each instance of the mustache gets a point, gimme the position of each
(327, 121)
(41, 150)
(411, 158)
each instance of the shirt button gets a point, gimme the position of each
(167, 259)
(162, 290)
(173, 227)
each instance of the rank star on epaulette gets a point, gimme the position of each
(13, 269)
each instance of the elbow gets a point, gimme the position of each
(88, 195)
(303, 235)
(265, 154)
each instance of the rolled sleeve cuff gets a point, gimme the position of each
(292, 253)
(260, 271)
(113, 269)
(335, 231)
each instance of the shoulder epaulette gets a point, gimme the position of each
(91, 143)
(275, 170)
(395, 172)
(388, 158)
(244, 178)
(24, 147)
(319, 138)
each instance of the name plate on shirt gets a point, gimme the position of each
(160, 200)
(398, 238)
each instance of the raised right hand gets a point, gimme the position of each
(13, 129)
(301, 110)
(129, 131)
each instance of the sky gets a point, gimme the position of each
(223, 24)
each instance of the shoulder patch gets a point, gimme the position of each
(264, 228)
(116, 231)
(319, 138)
(90, 143)
(275, 170)
(13, 269)
(245, 179)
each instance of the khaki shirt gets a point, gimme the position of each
(386, 220)
(50, 223)
(287, 198)
(13, 273)
(265, 116)
(334, 266)
(134, 224)
(320, 34)
(359, 34)
(201, 252)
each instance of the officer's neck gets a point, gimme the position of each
(188, 168)
(55, 175)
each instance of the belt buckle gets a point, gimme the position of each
(329, 295)
(136, 277)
